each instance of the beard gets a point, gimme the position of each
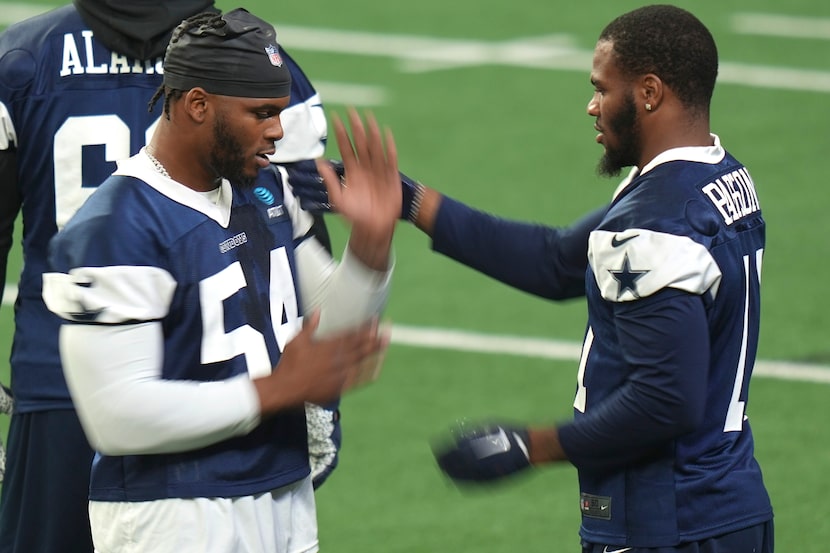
(227, 157)
(626, 128)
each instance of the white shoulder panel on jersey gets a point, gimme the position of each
(305, 130)
(301, 219)
(110, 295)
(140, 167)
(7, 135)
(637, 263)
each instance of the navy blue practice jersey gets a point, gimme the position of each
(673, 290)
(672, 279)
(219, 279)
(71, 107)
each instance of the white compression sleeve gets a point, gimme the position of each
(114, 375)
(347, 293)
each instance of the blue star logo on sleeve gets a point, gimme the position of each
(627, 278)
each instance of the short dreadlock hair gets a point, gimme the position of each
(671, 43)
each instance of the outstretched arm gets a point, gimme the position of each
(662, 399)
(546, 261)
(549, 262)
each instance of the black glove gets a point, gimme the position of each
(410, 197)
(307, 185)
(484, 453)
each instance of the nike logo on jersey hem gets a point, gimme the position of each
(606, 550)
(616, 244)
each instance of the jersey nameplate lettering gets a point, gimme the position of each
(733, 194)
(79, 59)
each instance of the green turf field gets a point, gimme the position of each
(487, 101)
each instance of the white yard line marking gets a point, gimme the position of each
(787, 26)
(420, 54)
(553, 52)
(560, 350)
(350, 94)
(459, 340)
(782, 78)
(359, 95)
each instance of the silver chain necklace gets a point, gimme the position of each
(157, 164)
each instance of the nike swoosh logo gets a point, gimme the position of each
(616, 244)
(606, 550)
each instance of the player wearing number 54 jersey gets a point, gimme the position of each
(75, 83)
(182, 281)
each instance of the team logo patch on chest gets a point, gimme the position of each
(267, 197)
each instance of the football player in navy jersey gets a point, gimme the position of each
(672, 273)
(74, 88)
(201, 314)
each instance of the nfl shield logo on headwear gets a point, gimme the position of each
(273, 55)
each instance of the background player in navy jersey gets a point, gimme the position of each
(660, 437)
(183, 280)
(74, 88)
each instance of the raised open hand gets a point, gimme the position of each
(369, 196)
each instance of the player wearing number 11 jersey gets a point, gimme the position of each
(672, 273)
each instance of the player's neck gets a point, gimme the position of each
(178, 162)
(670, 134)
